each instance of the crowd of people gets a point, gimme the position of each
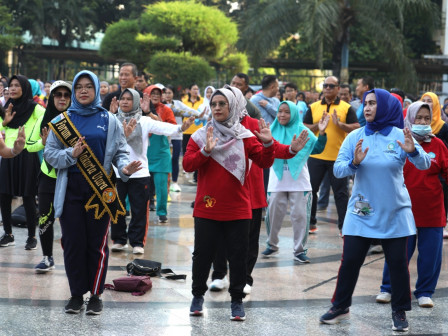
(88, 154)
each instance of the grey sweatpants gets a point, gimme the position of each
(300, 210)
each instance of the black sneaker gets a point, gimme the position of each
(196, 306)
(152, 207)
(46, 265)
(335, 315)
(74, 305)
(31, 244)
(94, 306)
(238, 313)
(7, 240)
(163, 219)
(399, 321)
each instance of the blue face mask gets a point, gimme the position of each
(421, 130)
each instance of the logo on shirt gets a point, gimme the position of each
(102, 127)
(432, 155)
(390, 148)
(209, 201)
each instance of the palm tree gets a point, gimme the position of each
(328, 24)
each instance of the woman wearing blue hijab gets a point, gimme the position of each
(380, 206)
(83, 144)
(289, 180)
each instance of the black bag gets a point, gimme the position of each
(152, 268)
(18, 217)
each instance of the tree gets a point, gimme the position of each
(187, 33)
(203, 30)
(9, 35)
(328, 24)
(180, 69)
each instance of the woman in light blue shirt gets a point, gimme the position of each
(380, 206)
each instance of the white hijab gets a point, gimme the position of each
(229, 150)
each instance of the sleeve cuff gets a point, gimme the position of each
(205, 153)
(414, 153)
(352, 166)
(291, 151)
(269, 144)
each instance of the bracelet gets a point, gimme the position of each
(12, 152)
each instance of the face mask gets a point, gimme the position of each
(421, 130)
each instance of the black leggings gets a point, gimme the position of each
(46, 221)
(30, 210)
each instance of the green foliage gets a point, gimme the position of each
(120, 43)
(204, 31)
(234, 63)
(180, 69)
(9, 35)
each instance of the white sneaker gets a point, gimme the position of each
(375, 249)
(383, 297)
(425, 302)
(247, 289)
(138, 250)
(218, 285)
(119, 247)
(175, 187)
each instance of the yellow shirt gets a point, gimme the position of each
(335, 135)
(193, 128)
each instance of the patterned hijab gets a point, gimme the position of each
(229, 151)
(410, 119)
(135, 138)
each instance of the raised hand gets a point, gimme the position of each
(359, 153)
(299, 142)
(323, 123)
(211, 142)
(264, 135)
(335, 118)
(145, 102)
(79, 147)
(408, 145)
(9, 115)
(132, 167)
(129, 128)
(113, 105)
(187, 123)
(19, 143)
(44, 135)
(154, 116)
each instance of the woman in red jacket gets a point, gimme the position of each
(220, 152)
(428, 209)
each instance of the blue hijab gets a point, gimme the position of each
(95, 105)
(284, 135)
(389, 113)
(35, 87)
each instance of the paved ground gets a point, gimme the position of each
(287, 297)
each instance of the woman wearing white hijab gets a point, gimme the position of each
(220, 152)
(137, 128)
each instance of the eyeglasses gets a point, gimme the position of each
(330, 86)
(87, 87)
(61, 94)
(220, 104)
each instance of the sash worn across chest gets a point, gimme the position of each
(105, 198)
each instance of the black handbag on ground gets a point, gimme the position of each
(152, 268)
